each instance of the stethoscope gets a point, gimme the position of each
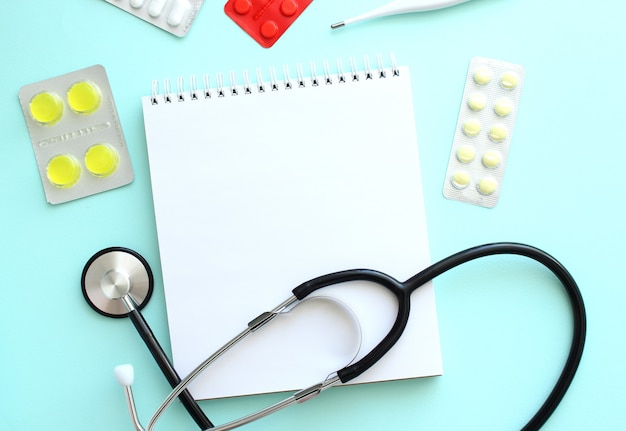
(118, 282)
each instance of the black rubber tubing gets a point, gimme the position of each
(147, 335)
(403, 291)
(168, 370)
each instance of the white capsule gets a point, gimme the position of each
(156, 8)
(137, 3)
(178, 12)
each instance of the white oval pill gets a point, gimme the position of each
(477, 102)
(487, 185)
(498, 133)
(503, 107)
(466, 153)
(156, 8)
(491, 159)
(178, 12)
(482, 75)
(509, 80)
(137, 3)
(471, 128)
(460, 179)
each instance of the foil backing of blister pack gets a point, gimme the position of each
(76, 134)
(173, 16)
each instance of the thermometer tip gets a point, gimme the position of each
(338, 24)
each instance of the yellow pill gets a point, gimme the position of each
(101, 160)
(46, 108)
(509, 80)
(471, 128)
(503, 107)
(487, 185)
(497, 133)
(84, 97)
(477, 102)
(491, 159)
(466, 153)
(63, 171)
(460, 179)
(482, 75)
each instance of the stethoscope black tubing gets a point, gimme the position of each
(168, 369)
(146, 334)
(402, 291)
(394, 286)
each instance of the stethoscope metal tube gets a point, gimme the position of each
(297, 398)
(117, 282)
(125, 376)
(165, 365)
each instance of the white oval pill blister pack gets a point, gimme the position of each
(483, 132)
(76, 135)
(173, 16)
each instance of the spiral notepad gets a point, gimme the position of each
(261, 183)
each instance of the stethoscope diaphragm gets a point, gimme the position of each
(112, 274)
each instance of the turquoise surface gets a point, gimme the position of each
(505, 322)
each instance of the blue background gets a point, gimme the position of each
(505, 322)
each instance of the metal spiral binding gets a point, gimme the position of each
(180, 95)
(314, 81)
(300, 76)
(327, 76)
(167, 91)
(220, 85)
(246, 82)
(233, 84)
(234, 89)
(273, 81)
(287, 75)
(259, 80)
(193, 87)
(155, 92)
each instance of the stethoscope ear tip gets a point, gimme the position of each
(124, 374)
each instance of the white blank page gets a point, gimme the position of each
(257, 193)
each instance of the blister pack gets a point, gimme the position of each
(76, 134)
(173, 16)
(483, 132)
(264, 20)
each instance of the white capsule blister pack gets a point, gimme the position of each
(173, 16)
(76, 135)
(483, 132)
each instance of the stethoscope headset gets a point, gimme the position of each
(118, 282)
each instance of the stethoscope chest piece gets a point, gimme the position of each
(115, 273)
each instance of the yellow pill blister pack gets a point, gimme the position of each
(173, 16)
(76, 135)
(483, 132)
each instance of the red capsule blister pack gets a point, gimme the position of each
(265, 20)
